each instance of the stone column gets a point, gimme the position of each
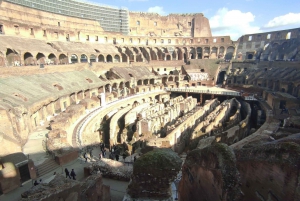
(201, 98)
(102, 98)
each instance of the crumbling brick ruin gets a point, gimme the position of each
(143, 82)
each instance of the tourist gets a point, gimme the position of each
(73, 174)
(124, 156)
(67, 173)
(134, 158)
(117, 157)
(36, 183)
(85, 157)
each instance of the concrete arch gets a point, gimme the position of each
(124, 58)
(117, 58)
(51, 59)
(199, 52)
(206, 53)
(153, 54)
(40, 58)
(83, 58)
(12, 58)
(101, 58)
(63, 59)
(74, 58)
(229, 53)
(28, 59)
(214, 52)
(93, 58)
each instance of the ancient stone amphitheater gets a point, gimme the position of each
(161, 88)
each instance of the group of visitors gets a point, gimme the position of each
(72, 174)
(103, 151)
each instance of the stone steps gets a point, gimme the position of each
(46, 167)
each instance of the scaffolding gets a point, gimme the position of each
(111, 18)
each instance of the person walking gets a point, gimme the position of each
(85, 157)
(67, 173)
(117, 157)
(73, 174)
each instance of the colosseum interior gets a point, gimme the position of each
(181, 114)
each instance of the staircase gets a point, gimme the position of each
(48, 166)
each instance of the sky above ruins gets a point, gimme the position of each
(230, 17)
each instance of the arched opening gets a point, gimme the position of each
(221, 52)
(12, 58)
(151, 81)
(74, 58)
(63, 59)
(229, 54)
(206, 53)
(101, 58)
(117, 58)
(51, 59)
(124, 57)
(28, 59)
(40, 58)
(140, 82)
(221, 77)
(213, 54)
(83, 58)
(93, 58)
(168, 58)
(153, 55)
(171, 79)
(176, 79)
(109, 58)
(199, 53)
(146, 82)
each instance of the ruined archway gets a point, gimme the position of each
(12, 58)
(28, 59)
(229, 53)
(213, 54)
(74, 58)
(51, 59)
(117, 58)
(83, 58)
(124, 57)
(93, 58)
(63, 59)
(101, 58)
(108, 58)
(40, 58)
(206, 53)
(199, 53)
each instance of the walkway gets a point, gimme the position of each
(205, 90)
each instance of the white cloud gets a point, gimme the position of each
(283, 20)
(233, 23)
(157, 9)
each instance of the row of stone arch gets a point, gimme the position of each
(132, 54)
(13, 58)
(140, 54)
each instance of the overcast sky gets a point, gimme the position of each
(230, 17)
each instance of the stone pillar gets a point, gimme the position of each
(109, 88)
(201, 98)
(102, 98)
